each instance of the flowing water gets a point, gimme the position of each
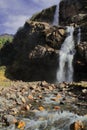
(56, 15)
(50, 120)
(79, 36)
(66, 54)
(53, 121)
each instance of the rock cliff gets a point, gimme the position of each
(36, 45)
(36, 52)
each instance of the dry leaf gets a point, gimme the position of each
(21, 124)
(41, 108)
(56, 107)
(58, 96)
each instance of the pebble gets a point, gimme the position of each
(30, 97)
(13, 96)
(84, 90)
(14, 110)
(18, 100)
(23, 99)
(62, 85)
(8, 95)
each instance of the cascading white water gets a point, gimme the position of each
(48, 120)
(79, 36)
(51, 121)
(66, 54)
(56, 15)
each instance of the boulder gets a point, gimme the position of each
(78, 125)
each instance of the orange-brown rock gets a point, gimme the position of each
(78, 125)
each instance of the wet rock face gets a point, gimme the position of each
(36, 46)
(84, 32)
(68, 9)
(82, 50)
(72, 11)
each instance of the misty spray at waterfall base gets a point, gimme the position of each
(66, 55)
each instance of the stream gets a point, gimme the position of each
(52, 120)
(54, 114)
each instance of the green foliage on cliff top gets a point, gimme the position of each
(4, 38)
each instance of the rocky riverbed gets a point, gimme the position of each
(24, 103)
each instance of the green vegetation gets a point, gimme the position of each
(5, 38)
(4, 82)
(2, 73)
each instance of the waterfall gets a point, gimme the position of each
(56, 15)
(66, 54)
(79, 36)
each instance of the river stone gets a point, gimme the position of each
(14, 111)
(84, 90)
(18, 100)
(22, 99)
(10, 119)
(11, 127)
(78, 125)
(44, 83)
(62, 85)
(13, 96)
(8, 95)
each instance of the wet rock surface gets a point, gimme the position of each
(73, 12)
(82, 50)
(23, 100)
